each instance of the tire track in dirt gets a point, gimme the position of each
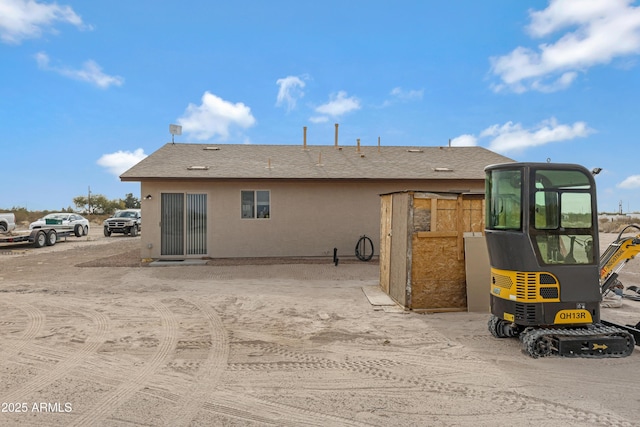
(247, 408)
(70, 362)
(253, 409)
(303, 361)
(513, 400)
(230, 404)
(376, 369)
(209, 374)
(99, 412)
(35, 321)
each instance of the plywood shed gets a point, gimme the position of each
(422, 248)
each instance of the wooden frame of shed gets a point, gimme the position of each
(422, 248)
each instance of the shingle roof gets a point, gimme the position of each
(248, 161)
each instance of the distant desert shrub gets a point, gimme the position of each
(615, 225)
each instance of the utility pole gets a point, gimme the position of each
(89, 200)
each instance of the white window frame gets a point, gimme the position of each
(255, 214)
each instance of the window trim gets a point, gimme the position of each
(255, 215)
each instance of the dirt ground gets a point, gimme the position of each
(91, 337)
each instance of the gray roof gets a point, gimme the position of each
(248, 161)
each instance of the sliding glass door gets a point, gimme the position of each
(183, 229)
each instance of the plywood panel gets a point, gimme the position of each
(473, 215)
(437, 276)
(399, 248)
(385, 241)
(434, 214)
(447, 215)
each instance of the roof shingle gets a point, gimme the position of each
(247, 161)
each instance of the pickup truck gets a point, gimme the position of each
(128, 221)
(7, 222)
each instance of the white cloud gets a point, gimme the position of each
(562, 82)
(406, 95)
(90, 72)
(339, 104)
(630, 182)
(24, 19)
(42, 59)
(513, 137)
(464, 141)
(214, 117)
(290, 91)
(401, 95)
(598, 31)
(120, 161)
(319, 119)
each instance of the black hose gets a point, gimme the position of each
(624, 230)
(361, 249)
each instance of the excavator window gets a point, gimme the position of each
(546, 210)
(562, 212)
(504, 192)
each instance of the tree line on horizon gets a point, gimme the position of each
(96, 204)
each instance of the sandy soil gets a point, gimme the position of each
(91, 337)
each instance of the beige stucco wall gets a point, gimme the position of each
(307, 218)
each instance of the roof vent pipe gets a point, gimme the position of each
(304, 137)
(358, 149)
(336, 141)
(378, 144)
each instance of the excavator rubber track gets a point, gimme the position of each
(594, 341)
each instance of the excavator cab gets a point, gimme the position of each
(542, 238)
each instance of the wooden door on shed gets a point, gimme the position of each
(399, 259)
(386, 202)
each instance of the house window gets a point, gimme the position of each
(255, 204)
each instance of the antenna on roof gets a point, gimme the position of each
(304, 137)
(175, 130)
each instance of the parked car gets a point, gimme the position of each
(7, 222)
(128, 221)
(63, 220)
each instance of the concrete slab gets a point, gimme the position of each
(377, 297)
(176, 262)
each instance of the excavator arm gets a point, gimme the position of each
(616, 256)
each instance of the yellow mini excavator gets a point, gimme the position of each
(547, 278)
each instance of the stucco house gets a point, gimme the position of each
(238, 200)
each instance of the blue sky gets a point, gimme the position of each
(89, 88)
